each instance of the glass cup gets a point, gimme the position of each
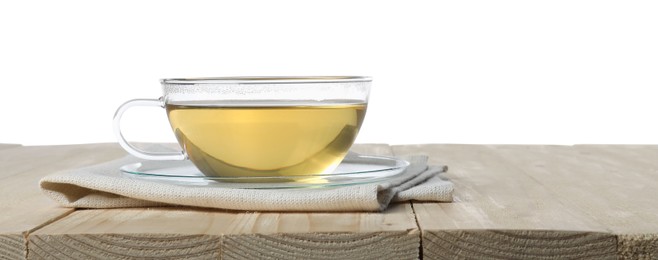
(259, 126)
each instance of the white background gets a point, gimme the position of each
(551, 72)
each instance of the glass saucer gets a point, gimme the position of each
(354, 169)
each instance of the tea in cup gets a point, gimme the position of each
(259, 126)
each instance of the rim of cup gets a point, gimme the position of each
(267, 80)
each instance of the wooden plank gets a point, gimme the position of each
(23, 207)
(622, 182)
(392, 234)
(613, 184)
(129, 233)
(198, 233)
(12, 246)
(504, 209)
(627, 177)
(191, 233)
(8, 146)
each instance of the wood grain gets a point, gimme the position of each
(209, 233)
(199, 233)
(627, 187)
(511, 202)
(614, 185)
(389, 235)
(638, 246)
(132, 233)
(517, 244)
(22, 206)
(507, 198)
(12, 246)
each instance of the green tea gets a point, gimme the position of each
(264, 138)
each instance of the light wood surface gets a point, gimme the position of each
(8, 146)
(629, 203)
(23, 208)
(185, 232)
(11, 245)
(198, 233)
(510, 202)
(542, 202)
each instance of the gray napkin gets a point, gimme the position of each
(105, 186)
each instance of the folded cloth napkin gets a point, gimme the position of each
(105, 186)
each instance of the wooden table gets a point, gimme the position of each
(525, 202)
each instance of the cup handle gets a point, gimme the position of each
(131, 149)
